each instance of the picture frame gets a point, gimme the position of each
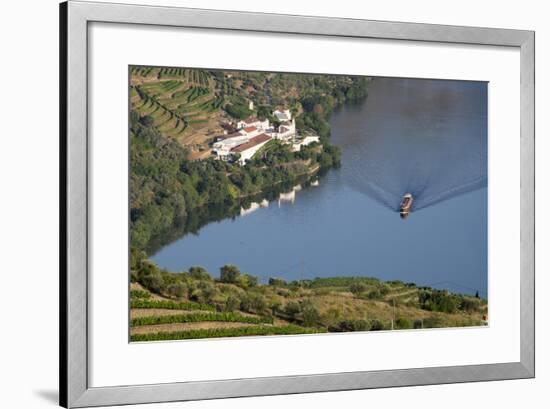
(75, 388)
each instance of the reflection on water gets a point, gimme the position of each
(253, 206)
(337, 226)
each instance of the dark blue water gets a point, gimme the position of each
(424, 137)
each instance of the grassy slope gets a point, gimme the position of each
(331, 299)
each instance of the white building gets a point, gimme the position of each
(253, 133)
(253, 121)
(223, 147)
(282, 115)
(225, 143)
(227, 136)
(250, 131)
(297, 145)
(286, 131)
(248, 149)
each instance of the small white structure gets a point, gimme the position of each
(253, 121)
(251, 105)
(286, 131)
(250, 131)
(297, 145)
(282, 115)
(248, 150)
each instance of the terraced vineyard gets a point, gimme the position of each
(154, 318)
(183, 103)
(194, 305)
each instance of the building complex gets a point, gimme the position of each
(252, 134)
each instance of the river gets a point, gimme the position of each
(425, 137)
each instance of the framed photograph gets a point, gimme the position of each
(260, 204)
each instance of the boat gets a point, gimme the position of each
(406, 205)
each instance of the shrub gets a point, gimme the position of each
(253, 303)
(258, 303)
(153, 282)
(310, 315)
(350, 326)
(205, 292)
(357, 288)
(275, 307)
(470, 304)
(246, 281)
(376, 325)
(139, 294)
(384, 289)
(403, 323)
(251, 280)
(238, 111)
(292, 309)
(232, 303)
(178, 290)
(438, 300)
(374, 294)
(433, 322)
(199, 273)
(245, 303)
(277, 282)
(229, 274)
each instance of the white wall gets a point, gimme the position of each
(29, 220)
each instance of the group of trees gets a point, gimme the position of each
(357, 325)
(443, 301)
(168, 191)
(232, 291)
(311, 97)
(302, 311)
(198, 286)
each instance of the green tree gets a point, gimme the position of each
(310, 314)
(199, 273)
(292, 309)
(376, 325)
(232, 303)
(277, 282)
(229, 274)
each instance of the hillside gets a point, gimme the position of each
(192, 304)
(193, 106)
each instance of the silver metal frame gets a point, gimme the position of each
(74, 18)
